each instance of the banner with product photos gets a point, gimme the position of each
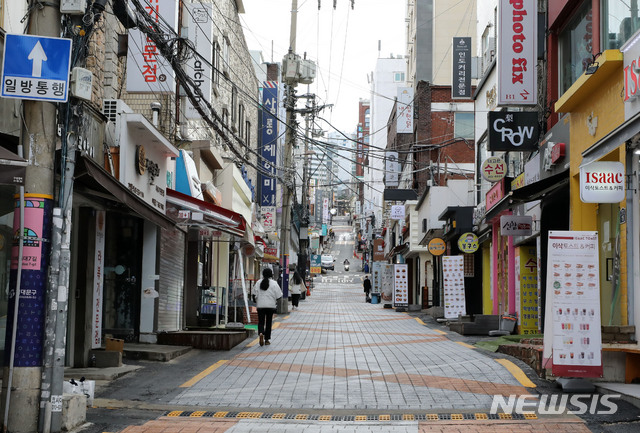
(453, 275)
(573, 291)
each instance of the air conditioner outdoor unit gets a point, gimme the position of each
(112, 107)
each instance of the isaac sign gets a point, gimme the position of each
(602, 182)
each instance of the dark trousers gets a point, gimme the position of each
(295, 297)
(265, 317)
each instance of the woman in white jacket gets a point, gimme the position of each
(267, 292)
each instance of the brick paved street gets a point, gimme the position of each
(340, 364)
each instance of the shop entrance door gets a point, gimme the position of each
(123, 262)
(609, 238)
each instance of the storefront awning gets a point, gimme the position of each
(398, 249)
(213, 216)
(531, 192)
(431, 234)
(612, 140)
(90, 174)
(12, 168)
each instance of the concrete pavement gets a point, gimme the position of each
(339, 363)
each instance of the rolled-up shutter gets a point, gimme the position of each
(171, 284)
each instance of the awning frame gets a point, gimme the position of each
(88, 167)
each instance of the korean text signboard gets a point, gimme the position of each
(517, 52)
(513, 131)
(468, 243)
(391, 175)
(268, 152)
(404, 112)
(515, 225)
(461, 68)
(437, 246)
(36, 68)
(602, 182)
(527, 289)
(454, 295)
(147, 70)
(573, 291)
(98, 279)
(494, 169)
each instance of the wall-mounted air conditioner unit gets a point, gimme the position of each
(112, 107)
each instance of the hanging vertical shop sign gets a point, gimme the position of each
(517, 52)
(400, 285)
(38, 214)
(404, 111)
(316, 264)
(147, 70)
(573, 292)
(527, 289)
(378, 250)
(461, 68)
(391, 175)
(199, 67)
(98, 278)
(268, 151)
(325, 210)
(454, 296)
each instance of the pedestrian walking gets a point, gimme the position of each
(296, 285)
(267, 292)
(367, 288)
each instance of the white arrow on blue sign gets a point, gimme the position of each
(36, 67)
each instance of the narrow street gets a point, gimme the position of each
(336, 364)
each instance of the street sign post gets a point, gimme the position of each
(38, 68)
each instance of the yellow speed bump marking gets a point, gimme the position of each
(302, 416)
(481, 416)
(195, 379)
(516, 372)
(324, 418)
(175, 413)
(220, 414)
(408, 417)
(361, 417)
(384, 418)
(432, 417)
(198, 413)
(419, 320)
(465, 345)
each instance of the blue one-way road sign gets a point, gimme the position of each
(36, 67)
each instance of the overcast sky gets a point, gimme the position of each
(343, 42)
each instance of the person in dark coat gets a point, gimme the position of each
(367, 288)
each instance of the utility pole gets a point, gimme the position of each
(38, 138)
(288, 153)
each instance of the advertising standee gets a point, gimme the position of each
(454, 295)
(573, 291)
(400, 286)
